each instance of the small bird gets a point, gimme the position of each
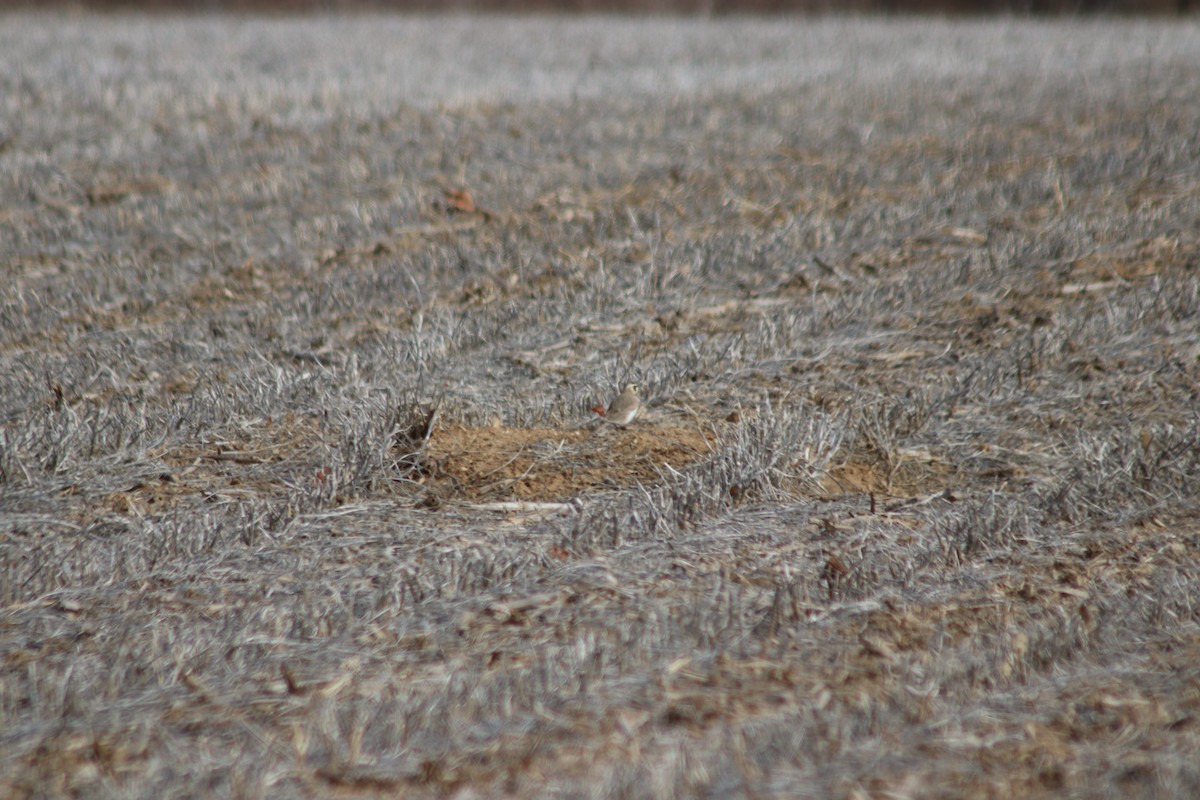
(624, 407)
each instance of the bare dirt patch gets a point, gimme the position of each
(495, 463)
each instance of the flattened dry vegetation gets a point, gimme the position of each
(302, 487)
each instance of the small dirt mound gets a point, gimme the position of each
(494, 463)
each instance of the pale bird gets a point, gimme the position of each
(624, 407)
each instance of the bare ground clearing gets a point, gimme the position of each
(302, 324)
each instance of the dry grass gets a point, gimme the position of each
(303, 322)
